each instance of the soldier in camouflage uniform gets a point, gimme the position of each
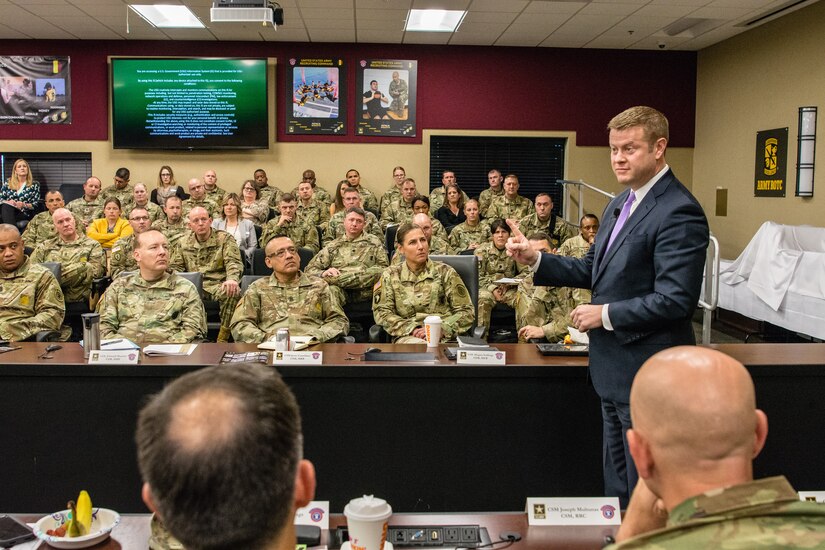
(123, 258)
(31, 296)
(287, 299)
(542, 311)
(472, 233)
(41, 227)
(214, 253)
(496, 189)
(197, 197)
(696, 431)
(438, 194)
(311, 210)
(122, 190)
(335, 228)
(318, 193)
(287, 224)
(81, 259)
(152, 306)
(368, 199)
(210, 185)
(352, 263)
(267, 194)
(407, 293)
(399, 176)
(173, 225)
(510, 205)
(578, 246)
(90, 206)
(545, 221)
(493, 264)
(421, 205)
(436, 244)
(400, 209)
(140, 197)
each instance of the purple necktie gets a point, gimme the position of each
(625, 213)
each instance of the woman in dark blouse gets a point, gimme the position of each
(20, 195)
(452, 213)
(167, 186)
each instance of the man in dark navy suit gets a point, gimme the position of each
(645, 273)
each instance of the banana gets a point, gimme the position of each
(73, 527)
(84, 511)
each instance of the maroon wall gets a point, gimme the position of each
(477, 88)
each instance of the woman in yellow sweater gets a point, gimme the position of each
(111, 226)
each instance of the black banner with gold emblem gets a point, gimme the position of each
(771, 163)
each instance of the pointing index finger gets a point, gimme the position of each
(516, 232)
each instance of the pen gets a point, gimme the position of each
(119, 340)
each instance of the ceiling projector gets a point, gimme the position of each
(247, 11)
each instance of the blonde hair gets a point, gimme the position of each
(652, 121)
(13, 182)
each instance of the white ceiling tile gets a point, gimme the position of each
(483, 28)
(11, 34)
(383, 4)
(611, 42)
(661, 10)
(473, 39)
(427, 37)
(565, 41)
(332, 13)
(518, 41)
(554, 7)
(511, 6)
(488, 17)
(380, 37)
(373, 25)
(548, 21)
(646, 22)
(325, 4)
(380, 15)
(749, 4)
(282, 35)
(332, 35)
(593, 24)
(441, 5)
(324, 24)
(721, 13)
(601, 8)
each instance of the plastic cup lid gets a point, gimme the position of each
(432, 319)
(367, 508)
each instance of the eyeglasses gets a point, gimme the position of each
(248, 188)
(139, 219)
(282, 251)
(165, 175)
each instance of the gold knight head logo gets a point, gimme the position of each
(771, 148)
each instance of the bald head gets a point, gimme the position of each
(425, 223)
(695, 422)
(206, 419)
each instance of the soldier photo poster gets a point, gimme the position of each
(385, 97)
(771, 163)
(35, 90)
(316, 89)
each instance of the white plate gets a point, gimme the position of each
(103, 521)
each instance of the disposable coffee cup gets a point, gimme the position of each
(367, 521)
(432, 327)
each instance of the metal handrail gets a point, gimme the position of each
(580, 185)
(711, 284)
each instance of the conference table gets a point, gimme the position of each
(428, 437)
(133, 531)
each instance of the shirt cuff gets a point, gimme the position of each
(535, 266)
(606, 318)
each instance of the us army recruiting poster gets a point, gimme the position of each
(771, 163)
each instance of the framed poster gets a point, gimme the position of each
(771, 163)
(316, 89)
(35, 90)
(385, 97)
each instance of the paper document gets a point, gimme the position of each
(169, 349)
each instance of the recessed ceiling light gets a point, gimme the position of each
(168, 17)
(434, 20)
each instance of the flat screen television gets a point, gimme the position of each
(192, 103)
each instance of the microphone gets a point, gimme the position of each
(616, 212)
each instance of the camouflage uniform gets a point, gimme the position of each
(437, 246)
(437, 196)
(122, 258)
(486, 198)
(463, 235)
(547, 307)
(335, 228)
(317, 213)
(219, 259)
(396, 211)
(304, 235)
(577, 247)
(161, 538)
(32, 301)
(173, 233)
(402, 299)
(515, 209)
(766, 513)
(86, 211)
(493, 264)
(306, 307)
(318, 194)
(215, 194)
(393, 195)
(211, 207)
(360, 261)
(368, 200)
(558, 229)
(81, 261)
(168, 310)
(41, 228)
(270, 196)
(155, 212)
(125, 195)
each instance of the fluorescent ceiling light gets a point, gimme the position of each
(169, 17)
(434, 20)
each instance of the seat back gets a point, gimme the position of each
(389, 239)
(54, 267)
(71, 191)
(259, 266)
(247, 280)
(467, 269)
(306, 255)
(196, 278)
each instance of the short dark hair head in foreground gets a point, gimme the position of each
(219, 450)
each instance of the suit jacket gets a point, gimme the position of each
(651, 277)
